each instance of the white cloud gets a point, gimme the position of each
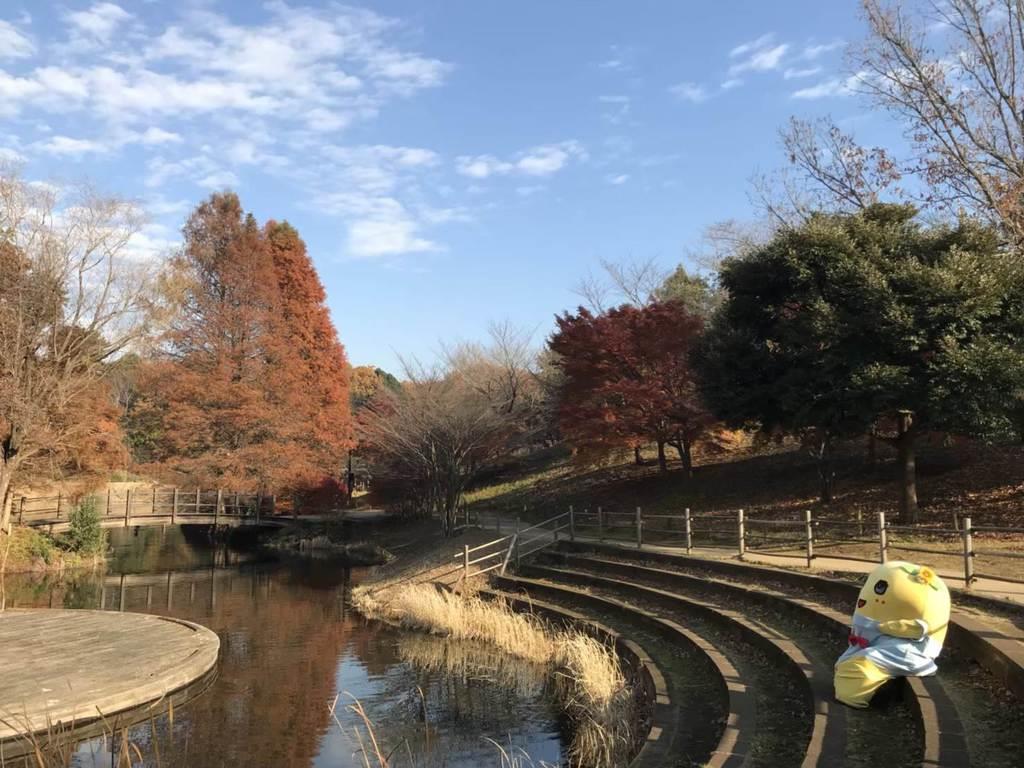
(151, 242)
(618, 58)
(689, 92)
(481, 166)
(206, 94)
(96, 25)
(219, 180)
(71, 147)
(760, 59)
(550, 158)
(541, 160)
(813, 51)
(8, 155)
(618, 179)
(14, 44)
(793, 73)
(154, 135)
(836, 86)
(744, 48)
(728, 85)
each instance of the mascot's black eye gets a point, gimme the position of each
(880, 587)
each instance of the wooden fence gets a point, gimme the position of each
(962, 546)
(149, 506)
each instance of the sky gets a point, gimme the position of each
(449, 163)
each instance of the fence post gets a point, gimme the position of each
(600, 524)
(860, 522)
(809, 522)
(516, 540)
(689, 530)
(883, 539)
(259, 507)
(174, 505)
(968, 552)
(58, 505)
(273, 504)
(199, 499)
(21, 512)
(572, 524)
(152, 507)
(742, 534)
(237, 513)
(127, 507)
(465, 513)
(639, 528)
(106, 512)
(465, 563)
(216, 509)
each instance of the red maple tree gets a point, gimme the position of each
(628, 381)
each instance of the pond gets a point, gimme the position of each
(290, 648)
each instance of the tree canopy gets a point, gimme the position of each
(856, 321)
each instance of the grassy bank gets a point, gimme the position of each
(778, 479)
(27, 550)
(326, 540)
(590, 682)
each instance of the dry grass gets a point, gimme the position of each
(590, 680)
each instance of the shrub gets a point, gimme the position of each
(85, 535)
(40, 546)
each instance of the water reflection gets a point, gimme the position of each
(289, 646)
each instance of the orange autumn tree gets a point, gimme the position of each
(250, 389)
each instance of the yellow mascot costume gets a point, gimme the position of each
(898, 627)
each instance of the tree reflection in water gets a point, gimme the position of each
(289, 646)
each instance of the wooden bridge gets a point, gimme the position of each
(153, 506)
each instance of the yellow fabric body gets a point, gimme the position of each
(857, 680)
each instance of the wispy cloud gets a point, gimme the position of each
(687, 91)
(617, 179)
(813, 50)
(760, 55)
(542, 160)
(793, 73)
(833, 87)
(744, 48)
(618, 58)
(14, 44)
(733, 82)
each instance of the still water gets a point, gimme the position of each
(290, 647)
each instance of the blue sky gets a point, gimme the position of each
(448, 162)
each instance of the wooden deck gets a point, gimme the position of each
(69, 667)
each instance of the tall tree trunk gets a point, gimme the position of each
(6, 496)
(826, 472)
(662, 460)
(636, 456)
(685, 448)
(907, 467)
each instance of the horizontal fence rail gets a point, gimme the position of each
(805, 538)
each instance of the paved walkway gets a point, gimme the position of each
(68, 666)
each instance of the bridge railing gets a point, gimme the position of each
(148, 503)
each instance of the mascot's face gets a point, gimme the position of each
(900, 590)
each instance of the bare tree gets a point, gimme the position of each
(434, 437)
(72, 298)
(962, 99)
(828, 170)
(629, 282)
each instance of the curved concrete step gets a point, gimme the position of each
(732, 747)
(944, 741)
(827, 744)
